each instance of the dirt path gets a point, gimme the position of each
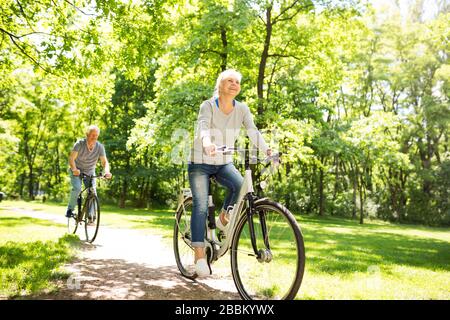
(128, 264)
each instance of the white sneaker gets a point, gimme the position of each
(201, 268)
(220, 225)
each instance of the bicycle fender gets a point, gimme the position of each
(180, 203)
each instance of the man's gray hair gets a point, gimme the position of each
(92, 128)
(225, 74)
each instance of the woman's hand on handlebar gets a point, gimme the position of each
(210, 149)
(108, 175)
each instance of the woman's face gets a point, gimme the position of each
(230, 86)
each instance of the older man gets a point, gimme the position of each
(83, 159)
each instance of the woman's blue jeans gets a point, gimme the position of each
(199, 173)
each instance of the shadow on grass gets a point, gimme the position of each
(334, 221)
(25, 221)
(334, 252)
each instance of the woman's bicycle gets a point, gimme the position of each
(265, 241)
(87, 213)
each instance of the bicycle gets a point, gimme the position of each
(267, 257)
(88, 213)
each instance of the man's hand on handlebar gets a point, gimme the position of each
(274, 157)
(108, 175)
(76, 172)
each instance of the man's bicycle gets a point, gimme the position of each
(87, 212)
(265, 241)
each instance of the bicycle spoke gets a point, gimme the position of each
(247, 252)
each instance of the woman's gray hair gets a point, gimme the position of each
(92, 128)
(225, 74)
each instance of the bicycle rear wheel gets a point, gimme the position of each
(184, 252)
(280, 275)
(91, 218)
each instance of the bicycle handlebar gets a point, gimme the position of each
(229, 150)
(225, 149)
(83, 175)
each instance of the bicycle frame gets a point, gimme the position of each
(89, 189)
(238, 211)
(245, 200)
(90, 184)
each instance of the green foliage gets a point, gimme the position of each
(356, 98)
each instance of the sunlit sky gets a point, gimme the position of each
(430, 6)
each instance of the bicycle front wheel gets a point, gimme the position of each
(279, 275)
(91, 218)
(72, 224)
(184, 252)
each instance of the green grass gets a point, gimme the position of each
(32, 252)
(345, 260)
(154, 221)
(376, 260)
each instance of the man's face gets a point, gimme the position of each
(92, 136)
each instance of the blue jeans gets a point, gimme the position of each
(199, 173)
(76, 189)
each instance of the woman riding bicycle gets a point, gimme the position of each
(219, 121)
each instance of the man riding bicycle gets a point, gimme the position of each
(82, 160)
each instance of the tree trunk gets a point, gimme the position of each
(336, 182)
(312, 193)
(150, 194)
(403, 198)
(224, 54)
(123, 193)
(426, 153)
(361, 199)
(321, 194)
(21, 185)
(30, 183)
(57, 167)
(263, 61)
(287, 197)
(355, 188)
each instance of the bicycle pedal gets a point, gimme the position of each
(221, 236)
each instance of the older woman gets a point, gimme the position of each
(83, 159)
(219, 122)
